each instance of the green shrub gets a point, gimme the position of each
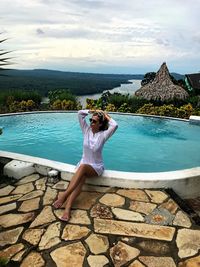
(184, 111)
(124, 108)
(194, 100)
(110, 107)
(135, 103)
(166, 110)
(91, 103)
(146, 109)
(64, 105)
(63, 94)
(57, 104)
(14, 106)
(68, 105)
(25, 95)
(118, 99)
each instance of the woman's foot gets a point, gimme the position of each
(66, 215)
(59, 202)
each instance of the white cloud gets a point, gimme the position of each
(104, 34)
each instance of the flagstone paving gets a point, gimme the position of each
(108, 227)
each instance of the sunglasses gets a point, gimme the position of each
(93, 121)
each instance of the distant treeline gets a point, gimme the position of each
(48, 80)
(78, 83)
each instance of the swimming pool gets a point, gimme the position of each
(141, 144)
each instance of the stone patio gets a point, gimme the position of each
(108, 227)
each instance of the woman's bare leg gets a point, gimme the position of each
(71, 199)
(83, 170)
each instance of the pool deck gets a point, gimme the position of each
(109, 226)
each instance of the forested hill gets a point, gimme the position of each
(43, 81)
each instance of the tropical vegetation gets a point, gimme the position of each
(18, 101)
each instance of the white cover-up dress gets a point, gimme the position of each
(93, 143)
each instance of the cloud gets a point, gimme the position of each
(39, 31)
(103, 32)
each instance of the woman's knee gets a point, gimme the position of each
(87, 170)
(83, 169)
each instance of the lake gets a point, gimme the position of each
(124, 88)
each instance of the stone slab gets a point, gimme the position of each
(170, 205)
(112, 200)
(69, 255)
(46, 216)
(18, 257)
(49, 196)
(51, 236)
(6, 190)
(97, 243)
(156, 196)
(142, 207)
(74, 232)
(10, 237)
(28, 179)
(133, 229)
(61, 185)
(77, 216)
(134, 194)
(192, 262)
(136, 263)
(32, 195)
(188, 242)
(8, 207)
(101, 211)
(123, 253)
(8, 199)
(182, 220)
(23, 189)
(97, 260)
(157, 261)
(11, 251)
(33, 236)
(127, 215)
(33, 259)
(30, 205)
(159, 216)
(15, 219)
(86, 200)
(41, 184)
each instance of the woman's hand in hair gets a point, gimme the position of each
(107, 116)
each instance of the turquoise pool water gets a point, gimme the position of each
(141, 144)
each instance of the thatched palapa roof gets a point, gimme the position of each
(162, 88)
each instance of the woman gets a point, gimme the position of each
(102, 126)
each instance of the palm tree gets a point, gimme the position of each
(4, 60)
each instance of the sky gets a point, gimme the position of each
(102, 36)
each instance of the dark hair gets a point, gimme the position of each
(102, 120)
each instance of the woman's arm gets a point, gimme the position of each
(112, 127)
(81, 116)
